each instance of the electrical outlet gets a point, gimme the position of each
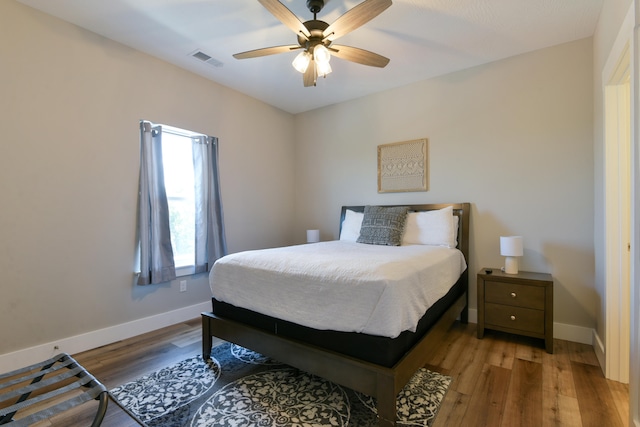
(183, 286)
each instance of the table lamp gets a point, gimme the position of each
(511, 248)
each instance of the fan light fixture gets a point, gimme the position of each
(321, 54)
(301, 62)
(320, 58)
(323, 68)
(316, 38)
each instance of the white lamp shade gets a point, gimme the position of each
(511, 246)
(313, 236)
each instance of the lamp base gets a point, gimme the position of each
(511, 265)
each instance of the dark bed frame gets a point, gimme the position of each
(380, 382)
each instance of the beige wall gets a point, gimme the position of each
(514, 138)
(69, 112)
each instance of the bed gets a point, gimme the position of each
(363, 352)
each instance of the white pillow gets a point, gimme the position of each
(437, 228)
(351, 225)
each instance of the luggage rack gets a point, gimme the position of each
(56, 384)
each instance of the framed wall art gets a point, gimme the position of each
(402, 166)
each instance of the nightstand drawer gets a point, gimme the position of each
(520, 303)
(515, 295)
(522, 319)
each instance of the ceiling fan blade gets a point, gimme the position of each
(355, 17)
(309, 76)
(285, 16)
(266, 51)
(358, 55)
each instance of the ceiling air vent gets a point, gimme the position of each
(198, 54)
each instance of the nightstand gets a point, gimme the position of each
(516, 303)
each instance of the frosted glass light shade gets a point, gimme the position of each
(323, 68)
(301, 61)
(511, 247)
(313, 236)
(321, 54)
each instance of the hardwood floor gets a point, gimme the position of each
(505, 380)
(501, 380)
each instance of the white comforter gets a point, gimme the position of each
(339, 285)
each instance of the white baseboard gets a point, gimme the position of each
(100, 337)
(573, 333)
(598, 347)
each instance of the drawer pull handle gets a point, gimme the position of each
(513, 295)
(513, 317)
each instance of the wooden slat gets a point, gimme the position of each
(557, 377)
(582, 353)
(523, 405)
(527, 350)
(486, 406)
(452, 409)
(620, 394)
(594, 397)
(502, 351)
(559, 403)
(560, 411)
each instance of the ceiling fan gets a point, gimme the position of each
(316, 38)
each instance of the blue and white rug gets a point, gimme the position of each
(240, 388)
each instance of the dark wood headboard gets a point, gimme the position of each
(461, 210)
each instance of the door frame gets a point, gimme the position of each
(617, 101)
(626, 49)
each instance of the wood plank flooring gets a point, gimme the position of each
(501, 380)
(505, 380)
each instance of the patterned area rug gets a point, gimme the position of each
(240, 388)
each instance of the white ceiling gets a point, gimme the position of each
(423, 39)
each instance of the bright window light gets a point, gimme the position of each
(177, 159)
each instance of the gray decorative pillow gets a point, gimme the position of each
(383, 225)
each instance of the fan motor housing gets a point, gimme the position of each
(316, 28)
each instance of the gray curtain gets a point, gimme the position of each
(156, 252)
(210, 241)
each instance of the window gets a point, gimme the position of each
(180, 219)
(177, 159)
